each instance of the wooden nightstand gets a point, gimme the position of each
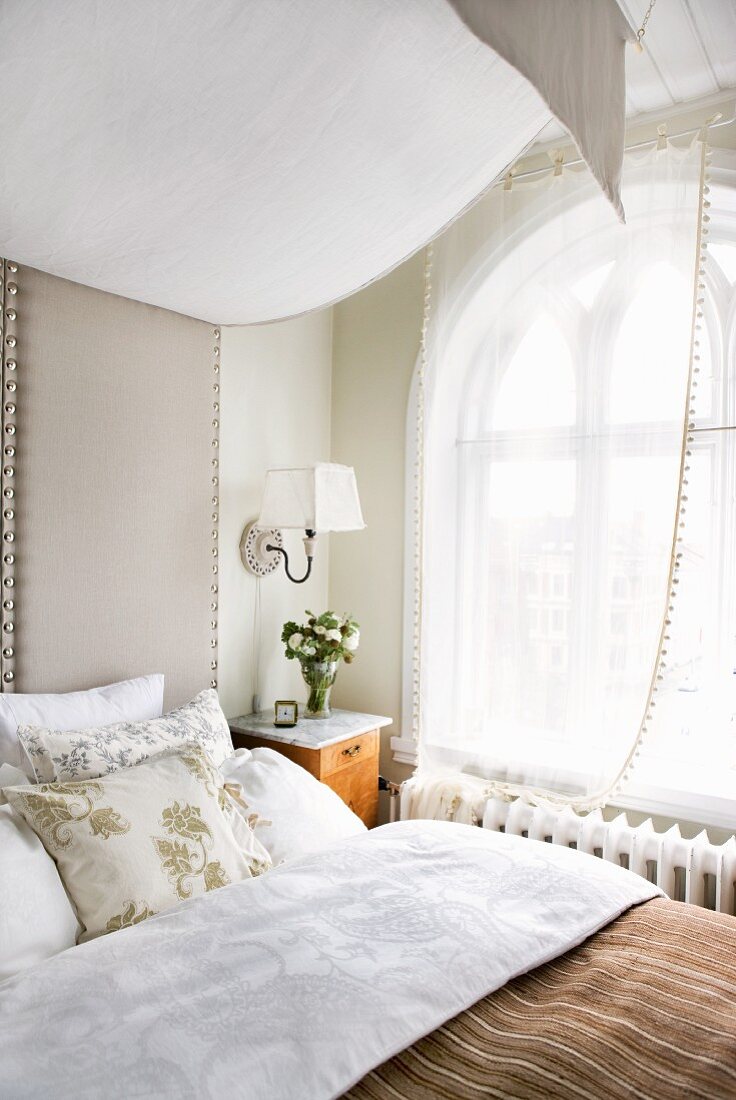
(341, 751)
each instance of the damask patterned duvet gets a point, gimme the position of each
(300, 982)
(643, 1009)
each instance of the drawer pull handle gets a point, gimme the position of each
(352, 751)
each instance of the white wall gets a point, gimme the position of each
(376, 340)
(275, 387)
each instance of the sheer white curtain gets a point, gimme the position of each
(554, 398)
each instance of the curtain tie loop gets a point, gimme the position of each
(558, 159)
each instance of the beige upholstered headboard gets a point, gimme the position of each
(110, 490)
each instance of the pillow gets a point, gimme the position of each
(300, 814)
(135, 842)
(129, 701)
(36, 916)
(10, 777)
(56, 755)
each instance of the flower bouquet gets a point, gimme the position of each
(319, 645)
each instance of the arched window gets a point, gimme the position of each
(553, 448)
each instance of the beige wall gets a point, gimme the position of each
(375, 345)
(276, 382)
(113, 533)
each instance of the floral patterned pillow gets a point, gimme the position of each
(58, 755)
(133, 843)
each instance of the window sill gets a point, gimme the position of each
(698, 809)
(404, 751)
(678, 805)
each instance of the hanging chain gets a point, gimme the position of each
(643, 28)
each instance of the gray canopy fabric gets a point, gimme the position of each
(564, 48)
(253, 159)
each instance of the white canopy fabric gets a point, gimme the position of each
(249, 160)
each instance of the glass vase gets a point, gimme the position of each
(319, 677)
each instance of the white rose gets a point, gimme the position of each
(352, 641)
(309, 651)
(333, 636)
(295, 641)
(319, 630)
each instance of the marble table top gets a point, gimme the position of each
(309, 733)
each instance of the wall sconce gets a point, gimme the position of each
(315, 500)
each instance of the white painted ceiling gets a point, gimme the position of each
(689, 54)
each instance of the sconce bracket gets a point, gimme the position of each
(256, 559)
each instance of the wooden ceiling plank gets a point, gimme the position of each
(646, 90)
(677, 49)
(715, 23)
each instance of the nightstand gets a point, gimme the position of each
(341, 751)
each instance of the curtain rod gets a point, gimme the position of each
(715, 125)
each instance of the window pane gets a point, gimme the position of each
(515, 636)
(648, 350)
(692, 740)
(532, 491)
(725, 257)
(538, 387)
(586, 289)
(642, 495)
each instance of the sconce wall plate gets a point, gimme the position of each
(256, 559)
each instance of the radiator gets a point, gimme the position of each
(687, 870)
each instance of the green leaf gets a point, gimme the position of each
(289, 629)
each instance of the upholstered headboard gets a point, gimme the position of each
(110, 489)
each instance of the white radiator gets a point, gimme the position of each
(687, 870)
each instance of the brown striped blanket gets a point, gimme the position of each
(646, 1008)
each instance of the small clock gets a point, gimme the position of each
(285, 712)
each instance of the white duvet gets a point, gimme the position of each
(298, 983)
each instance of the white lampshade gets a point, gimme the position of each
(318, 498)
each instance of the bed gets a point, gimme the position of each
(421, 959)
(643, 1008)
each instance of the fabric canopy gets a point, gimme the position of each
(250, 160)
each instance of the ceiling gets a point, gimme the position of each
(689, 54)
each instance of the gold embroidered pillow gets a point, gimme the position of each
(139, 840)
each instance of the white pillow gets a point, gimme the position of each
(128, 701)
(301, 814)
(58, 755)
(36, 917)
(10, 777)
